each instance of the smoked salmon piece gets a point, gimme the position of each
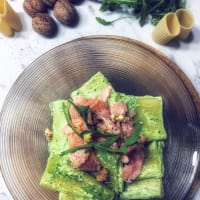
(105, 93)
(133, 168)
(118, 108)
(81, 159)
(83, 101)
(91, 164)
(77, 120)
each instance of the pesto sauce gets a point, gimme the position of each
(61, 176)
(112, 163)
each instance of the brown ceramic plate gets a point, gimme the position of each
(133, 68)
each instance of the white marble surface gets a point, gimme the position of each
(18, 52)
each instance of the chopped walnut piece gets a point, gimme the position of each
(125, 159)
(48, 134)
(89, 118)
(115, 145)
(102, 175)
(87, 137)
(119, 118)
(132, 113)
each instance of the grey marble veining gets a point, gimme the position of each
(18, 52)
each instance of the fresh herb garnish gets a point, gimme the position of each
(132, 139)
(97, 145)
(143, 9)
(106, 22)
(103, 21)
(105, 145)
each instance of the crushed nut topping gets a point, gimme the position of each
(102, 175)
(48, 134)
(87, 137)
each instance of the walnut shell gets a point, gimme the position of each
(32, 7)
(49, 3)
(65, 12)
(44, 24)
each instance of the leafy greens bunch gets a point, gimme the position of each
(143, 9)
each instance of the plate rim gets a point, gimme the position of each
(172, 65)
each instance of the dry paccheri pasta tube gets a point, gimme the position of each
(172, 25)
(5, 28)
(9, 19)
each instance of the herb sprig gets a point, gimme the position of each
(106, 22)
(143, 9)
(106, 145)
(102, 145)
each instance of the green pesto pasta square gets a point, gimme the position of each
(73, 184)
(150, 112)
(143, 189)
(153, 166)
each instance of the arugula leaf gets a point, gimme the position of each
(181, 4)
(143, 9)
(134, 138)
(156, 6)
(99, 133)
(130, 140)
(97, 145)
(109, 141)
(105, 22)
(144, 13)
(105, 145)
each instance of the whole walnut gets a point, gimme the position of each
(32, 7)
(49, 3)
(44, 24)
(65, 12)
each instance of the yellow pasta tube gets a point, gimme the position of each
(10, 16)
(186, 21)
(5, 28)
(166, 29)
